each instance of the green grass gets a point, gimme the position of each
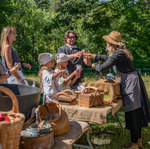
(109, 135)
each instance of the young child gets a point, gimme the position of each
(48, 82)
(65, 80)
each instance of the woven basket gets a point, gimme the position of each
(10, 131)
(63, 96)
(45, 141)
(60, 123)
(92, 97)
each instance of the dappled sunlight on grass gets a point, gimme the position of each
(34, 77)
(146, 79)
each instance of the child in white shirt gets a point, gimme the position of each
(65, 80)
(48, 82)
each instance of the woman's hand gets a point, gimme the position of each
(93, 65)
(27, 65)
(14, 69)
(89, 55)
(23, 83)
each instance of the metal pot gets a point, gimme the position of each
(28, 98)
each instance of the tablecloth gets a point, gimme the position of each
(92, 115)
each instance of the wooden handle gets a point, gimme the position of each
(8, 92)
(91, 87)
(48, 110)
(59, 108)
(64, 94)
(69, 91)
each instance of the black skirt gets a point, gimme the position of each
(136, 119)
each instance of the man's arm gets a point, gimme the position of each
(70, 56)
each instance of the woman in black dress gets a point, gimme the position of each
(135, 99)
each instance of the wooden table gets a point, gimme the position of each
(97, 115)
(79, 116)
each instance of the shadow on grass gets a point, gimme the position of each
(110, 136)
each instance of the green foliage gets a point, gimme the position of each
(5, 12)
(41, 25)
(31, 24)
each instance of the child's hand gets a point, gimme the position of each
(78, 74)
(75, 72)
(63, 72)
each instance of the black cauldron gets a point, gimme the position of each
(28, 98)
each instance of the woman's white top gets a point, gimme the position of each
(13, 80)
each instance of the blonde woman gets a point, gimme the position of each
(135, 99)
(9, 56)
(48, 81)
(66, 81)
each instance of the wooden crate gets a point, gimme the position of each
(90, 100)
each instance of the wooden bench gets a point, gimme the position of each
(68, 140)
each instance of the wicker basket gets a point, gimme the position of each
(10, 131)
(91, 98)
(45, 141)
(60, 123)
(64, 97)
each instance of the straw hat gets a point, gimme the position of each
(114, 38)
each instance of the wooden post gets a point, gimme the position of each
(101, 76)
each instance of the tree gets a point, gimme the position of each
(5, 12)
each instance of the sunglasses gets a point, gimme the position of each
(70, 37)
